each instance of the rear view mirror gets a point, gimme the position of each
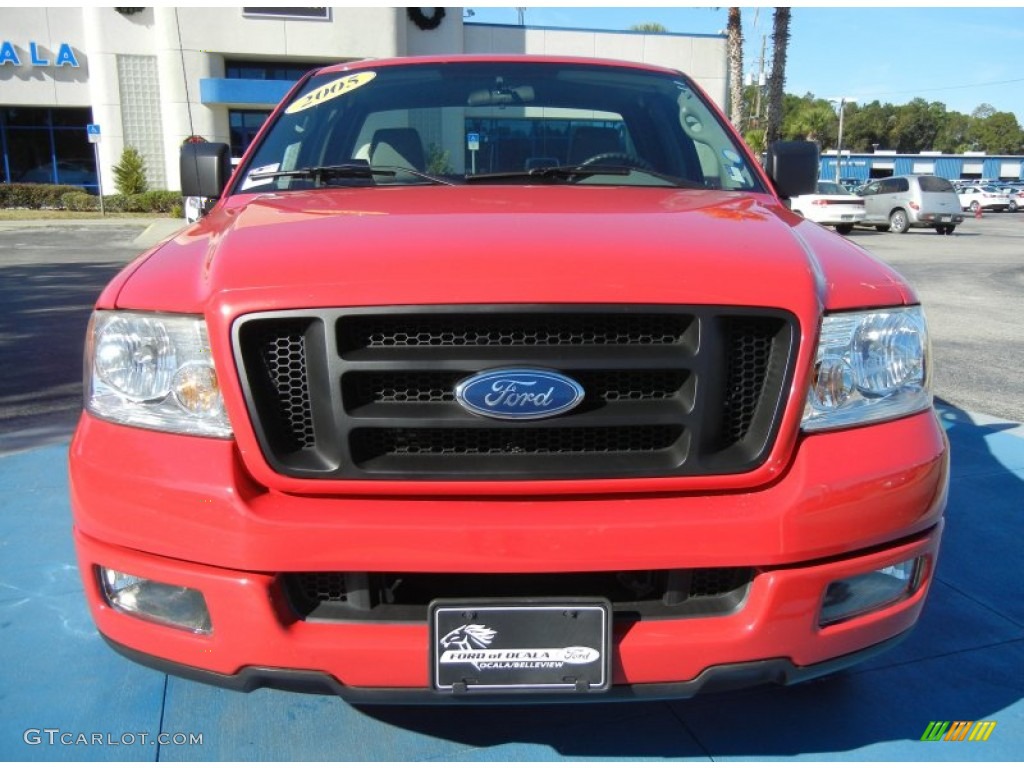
(205, 169)
(501, 96)
(793, 167)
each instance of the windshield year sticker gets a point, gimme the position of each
(330, 91)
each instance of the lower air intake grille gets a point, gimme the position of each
(406, 596)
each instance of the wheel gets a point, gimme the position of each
(618, 158)
(975, 205)
(881, 228)
(949, 229)
(844, 229)
(898, 221)
(1012, 207)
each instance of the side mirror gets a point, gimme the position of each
(205, 169)
(793, 167)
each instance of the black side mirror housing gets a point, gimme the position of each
(205, 169)
(793, 167)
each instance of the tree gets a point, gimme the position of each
(130, 173)
(868, 125)
(649, 26)
(809, 118)
(908, 128)
(777, 79)
(917, 126)
(954, 135)
(998, 133)
(734, 45)
(983, 111)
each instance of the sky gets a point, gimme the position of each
(961, 57)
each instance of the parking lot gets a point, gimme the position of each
(971, 286)
(64, 695)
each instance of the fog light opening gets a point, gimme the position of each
(168, 604)
(854, 596)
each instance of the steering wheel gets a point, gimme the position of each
(618, 158)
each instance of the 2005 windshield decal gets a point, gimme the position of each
(330, 91)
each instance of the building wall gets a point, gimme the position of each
(864, 166)
(28, 84)
(154, 78)
(703, 57)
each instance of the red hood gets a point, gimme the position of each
(506, 244)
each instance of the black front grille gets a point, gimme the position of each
(362, 596)
(369, 393)
(509, 330)
(371, 443)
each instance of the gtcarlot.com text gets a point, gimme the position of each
(57, 737)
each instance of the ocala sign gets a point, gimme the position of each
(38, 55)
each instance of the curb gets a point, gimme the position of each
(158, 231)
(154, 230)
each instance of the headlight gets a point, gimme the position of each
(152, 370)
(870, 366)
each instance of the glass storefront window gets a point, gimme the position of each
(47, 146)
(245, 123)
(267, 70)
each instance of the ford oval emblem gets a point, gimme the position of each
(518, 393)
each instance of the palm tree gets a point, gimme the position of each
(777, 79)
(734, 44)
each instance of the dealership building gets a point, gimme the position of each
(77, 83)
(860, 167)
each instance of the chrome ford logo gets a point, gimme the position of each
(518, 393)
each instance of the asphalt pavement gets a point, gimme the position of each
(65, 696)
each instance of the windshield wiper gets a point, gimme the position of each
(355, 170)
(572, 172)
(560, 172)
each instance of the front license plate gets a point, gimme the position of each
(520, 646)
(944, 218)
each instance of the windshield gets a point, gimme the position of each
(496, 122)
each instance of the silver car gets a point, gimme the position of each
(898, 203)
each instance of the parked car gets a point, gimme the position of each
(898, 203)
(494, 428)
(1014, 191)
(831, 205)
(987, 198)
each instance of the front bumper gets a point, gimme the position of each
(717, 679)
(182, 511)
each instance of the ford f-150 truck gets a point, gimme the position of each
(505, 378)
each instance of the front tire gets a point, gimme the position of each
(975, 207)
(898, 221)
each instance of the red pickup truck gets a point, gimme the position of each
(505, 378)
